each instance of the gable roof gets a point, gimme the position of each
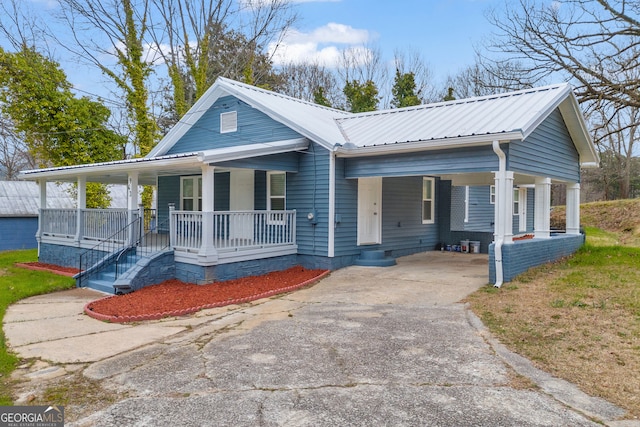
(472, 121)
(311, 120)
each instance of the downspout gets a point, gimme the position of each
(497, 249)
(332, 204)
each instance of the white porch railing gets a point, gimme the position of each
(95, 224)
(58, 222)
(234, 231)
(102, 224)
(250, 233)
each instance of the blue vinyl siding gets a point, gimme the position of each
(307, 191)
(168, 192)
(346, 232)
(481, 211)
(253, 127)
(548, 151)
(469, 159)
(402, 228)
(18, 233)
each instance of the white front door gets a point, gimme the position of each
(241, 186)
(369, 211)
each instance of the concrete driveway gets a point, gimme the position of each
(365, 346)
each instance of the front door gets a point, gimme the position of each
(369, 211)
(241, 199)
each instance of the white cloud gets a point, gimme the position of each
(323, 45)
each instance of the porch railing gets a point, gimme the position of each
(230, 231)
(59, 222)
(234, 230)
(103, 224)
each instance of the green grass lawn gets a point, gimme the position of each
(16, 284)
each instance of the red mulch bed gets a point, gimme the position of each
(41, 266)
(525, 237)
(175, 298)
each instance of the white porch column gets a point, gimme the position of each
(133, 197)
(207, 251)
(82, 205)
(43, 205)
(542, 221)
(573, 208)
(503, 216)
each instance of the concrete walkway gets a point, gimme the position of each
(365, 346)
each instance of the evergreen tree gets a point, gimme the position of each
(404, 90)
(361, 97)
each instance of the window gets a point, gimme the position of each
(427, 201)
(191, 193)
(276, 191)
(516, 201)
(228, 122)
(492, 195)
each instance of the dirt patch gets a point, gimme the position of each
(176, 298)
(584, 336)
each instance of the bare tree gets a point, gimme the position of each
(14, 154)
(362, 64)
(200, 41)
(485, 78)
(592, 42)
(304, 80)
(412, 62)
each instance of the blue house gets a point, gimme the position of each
(251, 181)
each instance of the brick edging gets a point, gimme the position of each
(50, 270)
(185, 311)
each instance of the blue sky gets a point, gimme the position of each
(443, 31)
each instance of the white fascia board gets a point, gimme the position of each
(427, 145)
(572, 115)
(564, 92)
(123, 166)
(252, 150)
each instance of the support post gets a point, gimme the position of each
(172, 226)
(573, 208)
(43, 205)
(208, 253)
(81, 206)
(542, 220)
(132, 205)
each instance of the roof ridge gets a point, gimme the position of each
(246, 86)
(471, 100)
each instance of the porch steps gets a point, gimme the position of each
(374, 258)
(105, 279)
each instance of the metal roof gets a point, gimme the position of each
(311, 120)
(487, 115)
(22, 198)
(479, 120)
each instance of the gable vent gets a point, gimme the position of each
(228, 122)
